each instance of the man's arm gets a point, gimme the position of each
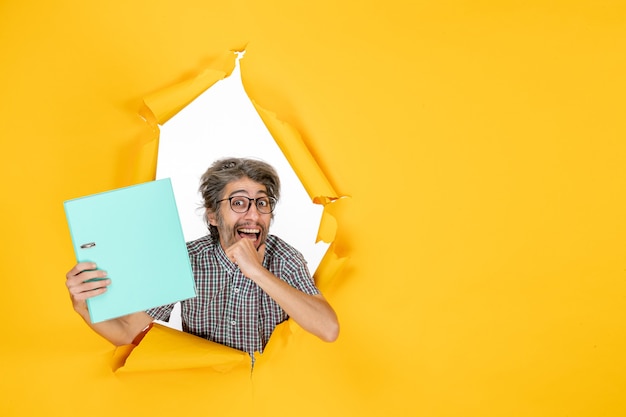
(119, 331)
(312, 312)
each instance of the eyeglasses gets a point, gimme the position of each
(241, 204)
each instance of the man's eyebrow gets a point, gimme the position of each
(246, 192)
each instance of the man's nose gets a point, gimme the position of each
(252, 212)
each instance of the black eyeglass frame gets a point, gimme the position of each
(272, 204)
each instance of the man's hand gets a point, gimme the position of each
(247, 257)
(83, 281)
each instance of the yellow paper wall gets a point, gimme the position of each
(482, 144)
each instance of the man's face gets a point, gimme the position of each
(234, 226)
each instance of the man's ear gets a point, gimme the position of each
(211, 217)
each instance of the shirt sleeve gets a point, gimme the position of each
(161, 313)
(288, 264)
(298, 276)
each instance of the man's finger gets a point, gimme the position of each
(261, 252)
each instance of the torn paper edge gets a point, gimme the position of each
(162, 105)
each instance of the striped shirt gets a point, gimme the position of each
(229, 308)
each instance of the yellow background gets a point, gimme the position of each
(482, 144)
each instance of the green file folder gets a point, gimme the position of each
(134, 234)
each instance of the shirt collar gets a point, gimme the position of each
(222, 258)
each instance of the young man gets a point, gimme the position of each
(247, 280)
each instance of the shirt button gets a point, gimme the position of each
(236, 290)
(233, 322)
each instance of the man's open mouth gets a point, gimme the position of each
(249, 233)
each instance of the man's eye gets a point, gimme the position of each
(238, 202)
(263, 202)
